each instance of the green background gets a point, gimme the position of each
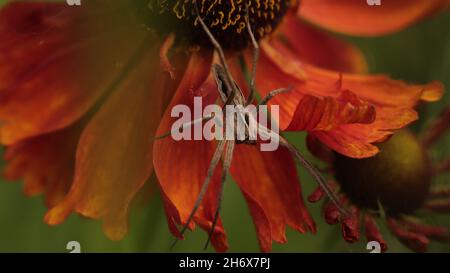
(418, 54)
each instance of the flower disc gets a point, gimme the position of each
(225, 19)
(398, 177)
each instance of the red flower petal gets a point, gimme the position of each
(181, 166)
(270, 183)
(262, 223)
(343, 141)
(331, 213)
(318, 194)
(355, 140)
(343, 118)
(357, 17)
(57, 61)
(324, 114)
(319, 150)
(373, 233)
(114, 156)
(351, 226)
(414, 241)
(46, 163)
(433, 232)
(320, 48)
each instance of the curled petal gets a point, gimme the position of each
(270, 183)
(373, 233)
(433, 92)
(348, 112)
(343, 141)
(316, 195)
(316, 114)
(320, 48)
(114, 155)
(319, 193)
(351, 226)
(307, 107)
(181, 166)
(379, 90)
(331, 213)
(356, 140)
(359, 18)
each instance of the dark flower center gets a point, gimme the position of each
(225, 19)
(398, 177)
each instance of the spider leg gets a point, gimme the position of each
(251, 96)
(226, 168)
(229, 82)
(273, 93)
(314, 173)
(317, 176)
(184, 125)
(210, 173)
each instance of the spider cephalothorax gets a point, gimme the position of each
(225, 19)
(398, 178)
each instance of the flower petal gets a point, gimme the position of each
(181, 166)
(320, 151)
(373, 233)
(338, 108)
(46, 163)
(324, 114)
(414, 241)
(320, 48)
(262, 223)
(356, 140)
(357, 17)
(350, 226)
(346, 143)
(114, 155)
(57, 61)
(270, 184)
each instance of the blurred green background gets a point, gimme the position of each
(418, 54)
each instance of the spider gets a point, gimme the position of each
(231, 94)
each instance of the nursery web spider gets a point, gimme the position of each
(231, 94)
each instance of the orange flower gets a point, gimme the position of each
(84, 90)
(395, 186)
